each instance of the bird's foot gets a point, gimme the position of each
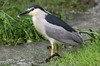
(48, 59)
(48, 47)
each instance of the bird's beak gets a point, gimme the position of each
(23, 13)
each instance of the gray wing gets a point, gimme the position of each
(57, 21)
(62, 35)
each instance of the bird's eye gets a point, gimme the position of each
(32, 9)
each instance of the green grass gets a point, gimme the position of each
(89, 55)
(15, 30)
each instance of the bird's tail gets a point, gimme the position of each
(78, 38)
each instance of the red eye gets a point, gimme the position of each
(32, 9)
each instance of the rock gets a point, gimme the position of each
(86, 20)
(97, 1)
(90, 3)
(30, 54)
(24, 55)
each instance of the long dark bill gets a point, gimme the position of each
(23, 13)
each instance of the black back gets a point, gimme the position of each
(57, 21)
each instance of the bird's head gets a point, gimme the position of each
(32, 10)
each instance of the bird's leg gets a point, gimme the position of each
(48, 47)
(52, 53)
(55, 54)
(57, 48)
(52, 49)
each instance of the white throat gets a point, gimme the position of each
(39, 20)
(38, 12)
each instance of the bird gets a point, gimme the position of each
(52, 28)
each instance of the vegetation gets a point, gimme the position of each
(15, 30)
(89, 55)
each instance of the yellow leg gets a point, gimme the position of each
(57, 48)
(52, 53)
(52, 49)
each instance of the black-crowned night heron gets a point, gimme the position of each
(52, 28)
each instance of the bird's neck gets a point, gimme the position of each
(39, 14)
(39, 17)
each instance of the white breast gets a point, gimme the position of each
(39, 25)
